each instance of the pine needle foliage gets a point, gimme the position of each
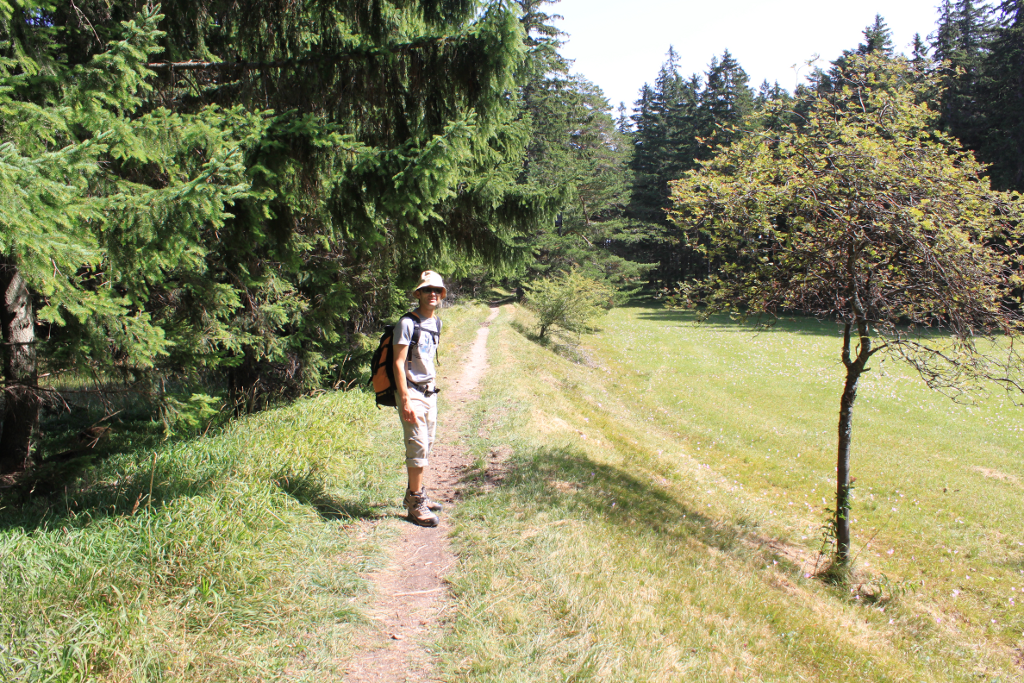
(104, 203)
(577, 159)
(232, 191)
(391, 145)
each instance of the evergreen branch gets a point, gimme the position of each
(396, 49)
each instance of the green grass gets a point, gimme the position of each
(245, 563)
(660, 516)
(242, 543)
(657, 519)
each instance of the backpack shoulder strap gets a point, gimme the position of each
(437, 346)
(415, 339)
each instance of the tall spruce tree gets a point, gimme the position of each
(961, 43)
(576, 156)
(919, 52)
(877, 41)
(259, 191)
(665, 138)
(724, 102)
(773, 103)
(101, 202)
(1002, 99)
(678, 123)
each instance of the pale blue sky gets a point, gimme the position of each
(621, 44)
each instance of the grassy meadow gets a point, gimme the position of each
(235, 556)
(646, 505)
(661, 513)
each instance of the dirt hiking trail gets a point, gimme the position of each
(410, 593)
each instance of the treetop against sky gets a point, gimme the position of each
(621, 46)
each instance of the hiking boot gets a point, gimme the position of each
(432, 504)
(419, 513)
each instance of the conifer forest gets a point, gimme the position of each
(211, 205)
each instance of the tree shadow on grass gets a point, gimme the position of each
(312, 488)
(789, 324)
(151, 485)
(83, 502)
(1013, 563)
(764, 325)
(564, 478)
(561, 344)
(127, 495)
(500, 300)
(89, 469)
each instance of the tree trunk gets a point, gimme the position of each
(243, 384)
(854, 369)
(21, 398)
(843, 465)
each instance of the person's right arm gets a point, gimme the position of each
(402, 385)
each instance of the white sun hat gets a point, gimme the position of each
(429, 278)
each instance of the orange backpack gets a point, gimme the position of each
(382, 365)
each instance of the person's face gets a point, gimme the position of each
(430, 295)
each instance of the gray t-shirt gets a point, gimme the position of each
(421, 369)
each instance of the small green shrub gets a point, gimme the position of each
(569, 301)
(191, 415)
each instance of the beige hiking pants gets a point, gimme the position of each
(419, 437)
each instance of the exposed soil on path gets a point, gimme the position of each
(411, 596)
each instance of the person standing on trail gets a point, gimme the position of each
(415, 343)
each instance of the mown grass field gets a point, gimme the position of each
(660, 516)
(236, 556)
